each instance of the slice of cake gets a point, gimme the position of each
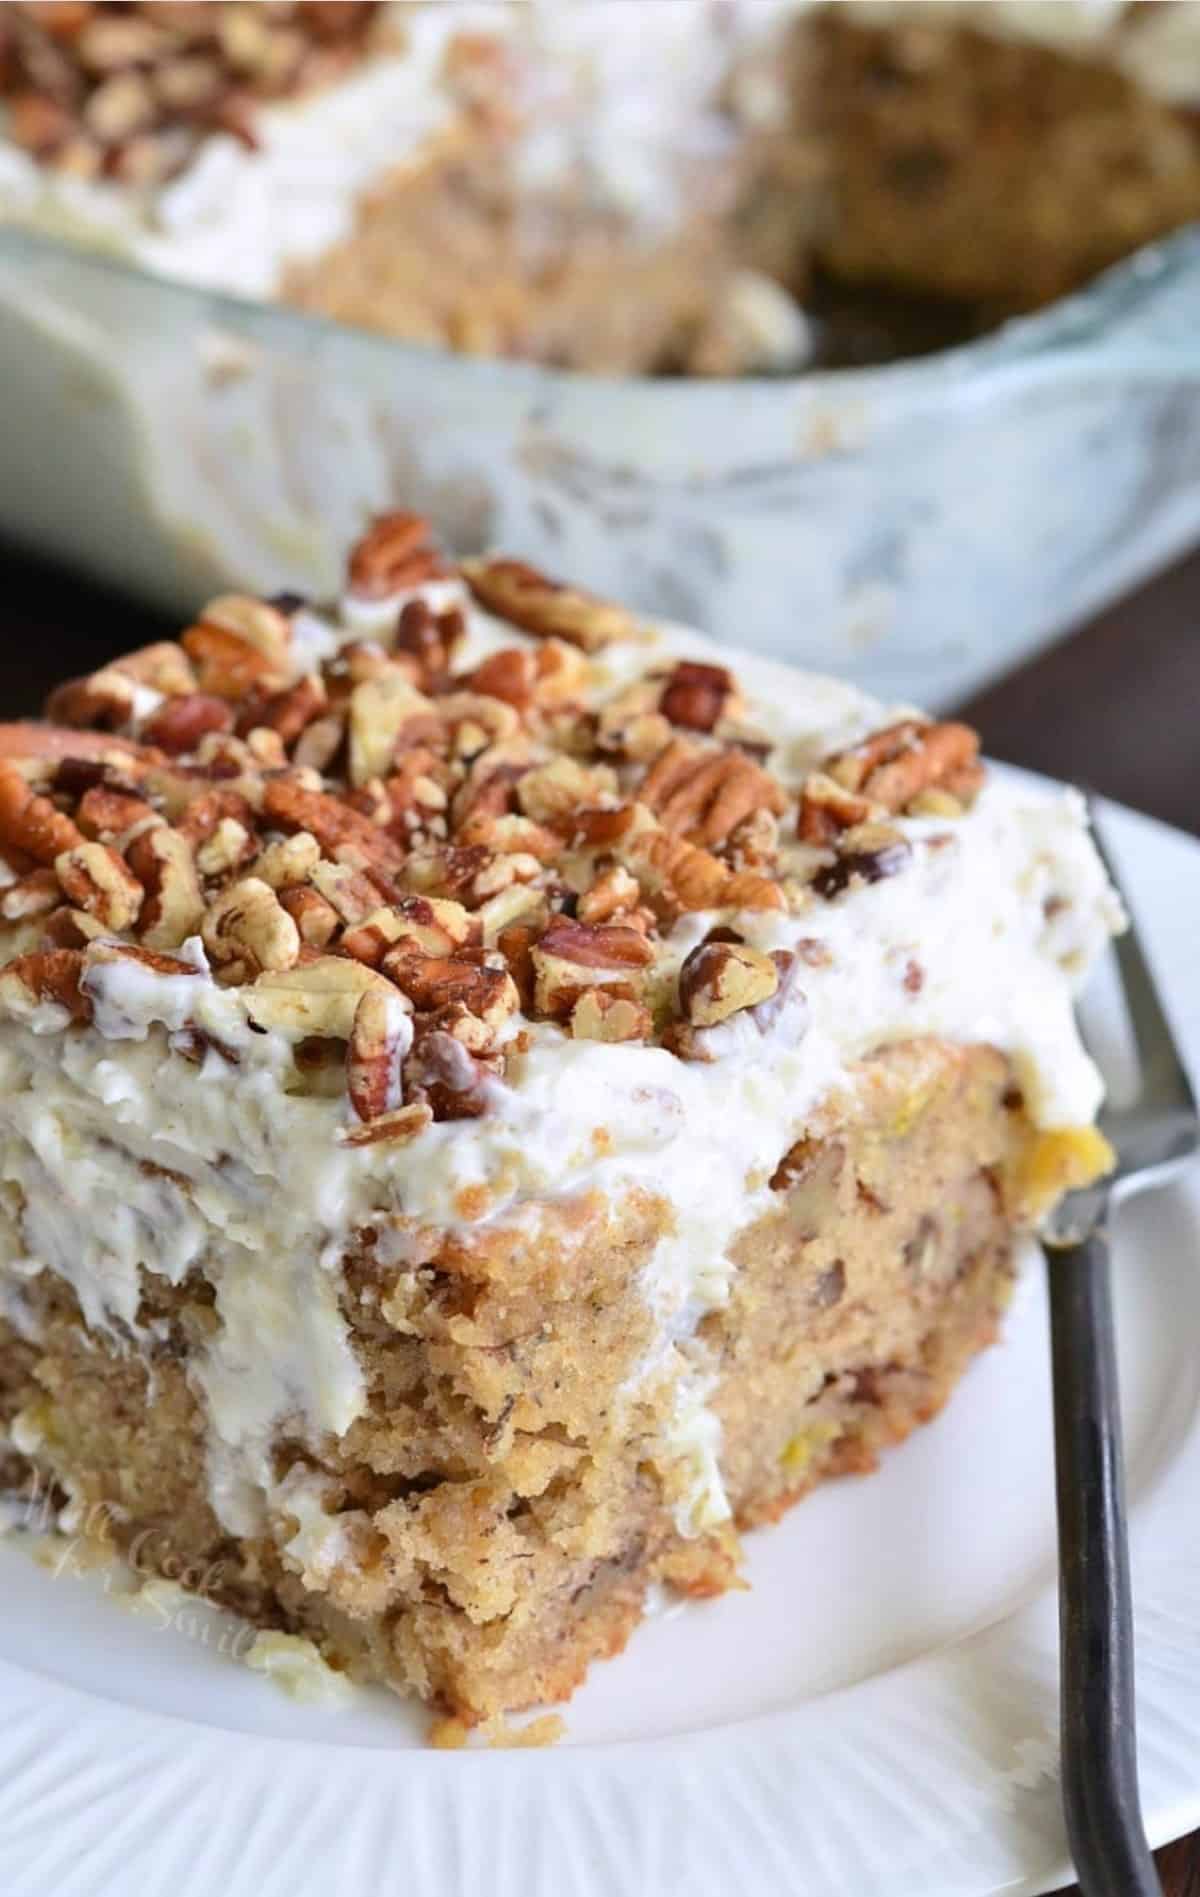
(621, 186)
(497, 1096)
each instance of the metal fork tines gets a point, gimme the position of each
(1152, 1134)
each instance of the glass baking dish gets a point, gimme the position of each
(920, 527)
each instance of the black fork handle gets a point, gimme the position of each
(1100, 1787)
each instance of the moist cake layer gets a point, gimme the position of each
(490, 1099)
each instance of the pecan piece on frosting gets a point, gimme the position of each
(704, 794)
(719, 979)
(695, 695)
(897, 765)
(396, 552)
(379, 1042)
(827, 808)
(572, 957)
(600, 1016)
(516, 591)
(49, 975)
(869, 853)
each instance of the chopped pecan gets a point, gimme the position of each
(97, 881)
(179, 723)
(518, 592)
(49, 975)
(396, 552)
(105, 813)
(827, 808)
(352, 892)
(288, 713)
(510, 674)
(558, 792)
(343, 833)
(433, 982)
(231, 846)
(379, 1041)
(445, 1073)
(869, 853)
(380, 709)
(288, 860)
(899, 763)
(428, 924)
(719, 979)
(316, 919)
(429, 639)
(34, 894)
(317, 997)
(572, 957)
(600, 1016)
(210, 808)
(615, 893)
(162, 861)
(103, 700)
(319, 743)
(238, 645)
(703, 794)
(248, 925)
(32, 823)
(679, 878)
(695, 695)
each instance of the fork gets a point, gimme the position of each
(1152, 1137)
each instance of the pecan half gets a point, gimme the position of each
(705, 794)
(516, 591)
(894, 766)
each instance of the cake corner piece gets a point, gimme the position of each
(498, 1097)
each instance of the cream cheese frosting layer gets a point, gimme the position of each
(118, 1155)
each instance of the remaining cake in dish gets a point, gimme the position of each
(619, 185)
(496, 1096)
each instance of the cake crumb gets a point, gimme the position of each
(450, 1734)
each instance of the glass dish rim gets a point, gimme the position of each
(1073, 325)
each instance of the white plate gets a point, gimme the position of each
(877, 1716)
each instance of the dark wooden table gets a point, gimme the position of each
(1116, 706)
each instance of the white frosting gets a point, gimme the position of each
(1002, 911)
